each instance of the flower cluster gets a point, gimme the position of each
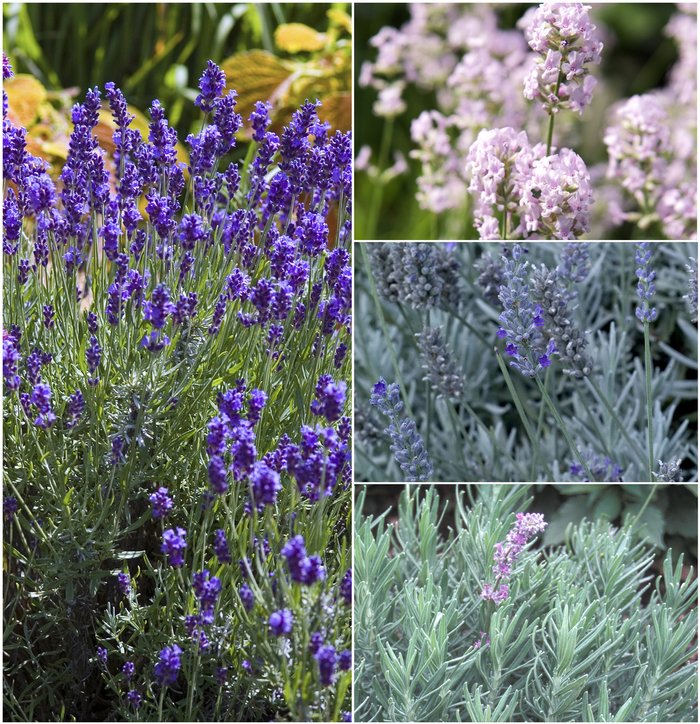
(603, 470)
(162, 503)
(419, 274)
(167, 668)
(408, 447)
(173, 545)
(521, 191)
(552, 298)
(526, 525)
(563, 36)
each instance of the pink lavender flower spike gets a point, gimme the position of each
(563, 36)
(526, 526)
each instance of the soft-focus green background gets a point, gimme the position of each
(636, 58)
(149, 50)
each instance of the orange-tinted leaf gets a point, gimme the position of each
(297, 37)
(25, 94)
(255, 75)
(337, 110)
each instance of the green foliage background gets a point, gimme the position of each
(149, 50)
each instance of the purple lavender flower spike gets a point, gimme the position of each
(173, 544)
(212, 85)
(134, 698)
(526, 525)
(124, 583)
(9, 508)
(41, 397)
(330, 398)
(280, 622)
(304, 569)
(162, 503)
(260, 120)
(519, 319)
(408, 447)
(645, 287)
(128, 670)
(221, 546)
(167, 668)
(327, 662)
(264, 484)
(247, 597)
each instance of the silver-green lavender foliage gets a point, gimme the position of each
(573, 641)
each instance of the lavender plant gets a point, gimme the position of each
(506, 150)
(531, 364)
(580, 633)
(176, 430)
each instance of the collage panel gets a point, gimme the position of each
(526, 121)
(525, 603)
(550, 361)
(177, 362)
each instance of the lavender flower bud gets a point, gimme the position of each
(442, 370)
(669, 472)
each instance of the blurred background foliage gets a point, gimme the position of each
(281, 52)
(636, 60)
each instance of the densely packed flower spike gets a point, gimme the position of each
(521, 323)
(442, 370)
(408, 447)
(526, 525)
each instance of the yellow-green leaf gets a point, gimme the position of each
(297, 37)
(338, 17)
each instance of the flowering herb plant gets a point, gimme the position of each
(552, 361)
(580, 633)
(521, 132)
(176, 426)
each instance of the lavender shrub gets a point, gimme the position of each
(567, 361)
(176, 358)
(507, 150)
